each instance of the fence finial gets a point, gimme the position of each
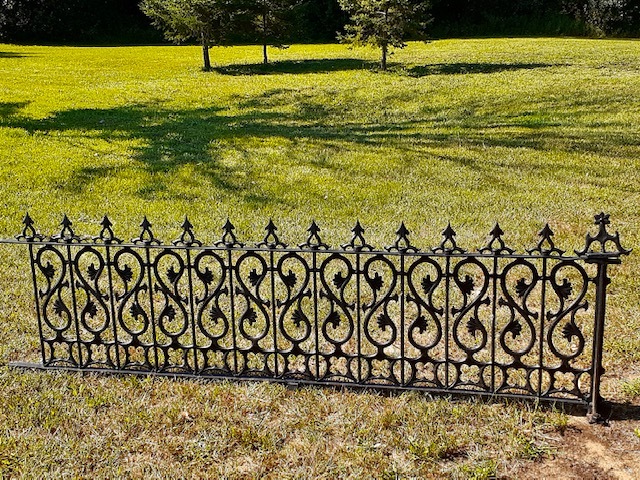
(496, 238)
(228, 239)
(66, 233)
(271, 240)
(448, 244)
(402, 243)
(187, 237)
(29, 232)
(602, 239)
(106, 235)
(357, 242)
(545, 245)
(314, 242)
(146, 235)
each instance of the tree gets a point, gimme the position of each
(272, 23)
(208, 21)
(383, 23)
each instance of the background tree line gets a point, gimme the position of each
(122, 22)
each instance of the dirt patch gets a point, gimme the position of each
(601, 452)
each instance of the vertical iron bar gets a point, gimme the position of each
(192, 310)
(543, 308)
(315, 312)
(114, 314)
(37, 301)
(151, 308)
(72, 286)
(273, 313)
(233, 313)
(402, 323)
(447, 301)
(494, 313)
(598, 339)
(358, 319)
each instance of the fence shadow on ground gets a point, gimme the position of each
(621, 411)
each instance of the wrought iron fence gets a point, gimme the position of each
(491, 321)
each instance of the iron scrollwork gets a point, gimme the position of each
(443, 319)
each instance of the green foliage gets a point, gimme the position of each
(632, 387)
(383, 23)
(222, 22)
(81, 21)
(208, 21)
(484, 470)
(270, 22)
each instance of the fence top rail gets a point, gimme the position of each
(603, 246)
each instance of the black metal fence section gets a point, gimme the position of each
(492, 321)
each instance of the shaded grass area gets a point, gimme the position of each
(517, 131)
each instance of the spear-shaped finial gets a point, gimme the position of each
(314, 242)
(271, 239)
(228, 239)
(146, 235)
(495, 244)
(402, 242)
(357, 242)
(545, 245)
(29, 232)
(448, 243)
(66, 233)
(106, 235)
(187, 237)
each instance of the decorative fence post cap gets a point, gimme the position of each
(496, 238)
(596, 246)
(402, 242)
(187, 237)
(357, 242)
(448, 244)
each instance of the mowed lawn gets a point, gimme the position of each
(520, 131)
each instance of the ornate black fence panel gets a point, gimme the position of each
(492, 321)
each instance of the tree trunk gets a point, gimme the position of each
(383, 60)
(265, 59)
(205, 54)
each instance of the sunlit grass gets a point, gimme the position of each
(517, 131)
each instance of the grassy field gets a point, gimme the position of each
(520, 131)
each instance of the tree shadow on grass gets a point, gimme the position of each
(11, 108)
(297, 67)
(470, 68)
(13, 55)
(166, 139)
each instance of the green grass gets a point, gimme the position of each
(521, 131)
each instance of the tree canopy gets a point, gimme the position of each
(208, 21)
(384, 23)
(121, 21)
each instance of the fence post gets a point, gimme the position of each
(596, 252)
